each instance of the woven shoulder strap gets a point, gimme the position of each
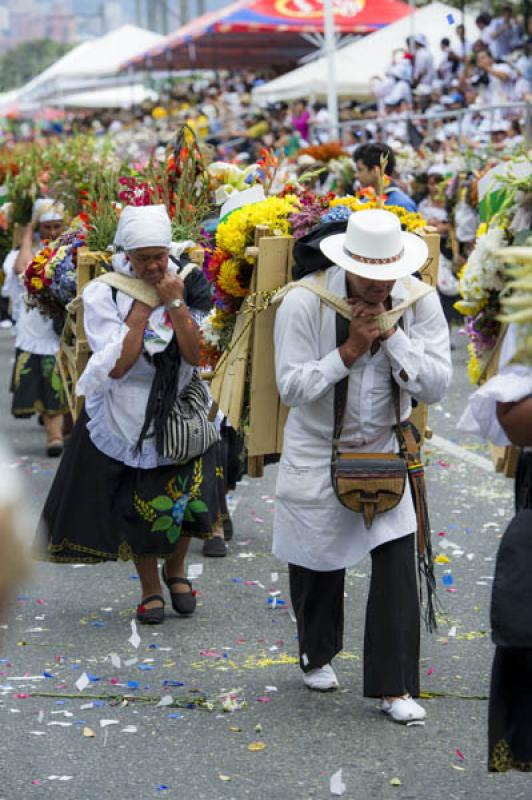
(138, 289)
(133, 287)
(416, 290)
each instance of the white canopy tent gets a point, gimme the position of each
(109, 97)
(357, 63)
(89, 65)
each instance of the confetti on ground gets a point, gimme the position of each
(336, 784)
(134, 639)
(255, 747)
(82, 682)
(395, 782)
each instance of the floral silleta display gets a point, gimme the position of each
(50, 279)
(295, 211)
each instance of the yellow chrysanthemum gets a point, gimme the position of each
(412, 221)
(237, 231)
(37, 284)
(228, 279)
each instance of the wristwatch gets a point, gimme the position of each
(176, 303)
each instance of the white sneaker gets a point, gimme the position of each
(322, 679)
(403, 710)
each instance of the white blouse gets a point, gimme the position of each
(116, 407)
(311, 527)
(512, 384)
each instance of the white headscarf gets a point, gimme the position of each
(47, 210)
(143, 226)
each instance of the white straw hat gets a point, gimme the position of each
(375, 247)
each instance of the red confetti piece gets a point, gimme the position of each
(22, 696)
(430, 671)
(460, 755)
(264, 699)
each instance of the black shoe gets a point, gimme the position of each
(182, 602)
(54, 449)
(215, 547)
(151, 616)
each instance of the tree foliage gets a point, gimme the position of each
(27, 60)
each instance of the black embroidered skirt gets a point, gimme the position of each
(36, 386)
(510, 705)
(99, 509)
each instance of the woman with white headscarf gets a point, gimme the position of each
(116, 494)
(36, 387)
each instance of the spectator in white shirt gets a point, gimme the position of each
(423, 62)
(448, 66)
(463, 47)
(483, 23)
(495, 81)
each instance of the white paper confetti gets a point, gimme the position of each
(452, 632)
(167, 700)
(116, 660)
(275, 577)
(82, 682)
(104, 723)
(134, 639)
(337, 785)
(129, 729)
(194, 571)
(130, 661)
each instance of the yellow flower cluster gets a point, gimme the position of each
(219, 318)
(37, 284)
(237, 231)
(228, 279)
(411, 221)
(474, 367)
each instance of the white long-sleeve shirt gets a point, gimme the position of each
(311, 527)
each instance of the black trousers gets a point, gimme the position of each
(392, 631)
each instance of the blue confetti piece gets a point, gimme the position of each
(133, 684)
(133, 578)
(93, 678)
(60, 702)
(450, 19)
(48, 675)
(173, 683)
(162, 787)
(153, 646)
(98, 703)
(447, 579)
(236, 580)
(175, 716)
(98, 624)
(145, 667)
(277, 603)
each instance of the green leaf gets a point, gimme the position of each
(161, 503)
(162, 524)
(57, 384)
(188, 516)
(173, 534)
(198, 507)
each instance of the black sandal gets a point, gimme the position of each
(151, 616)
(183, 603)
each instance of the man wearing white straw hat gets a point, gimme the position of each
(342, 491)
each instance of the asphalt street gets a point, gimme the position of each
(239, 652)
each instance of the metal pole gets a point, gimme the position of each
(330, 46)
